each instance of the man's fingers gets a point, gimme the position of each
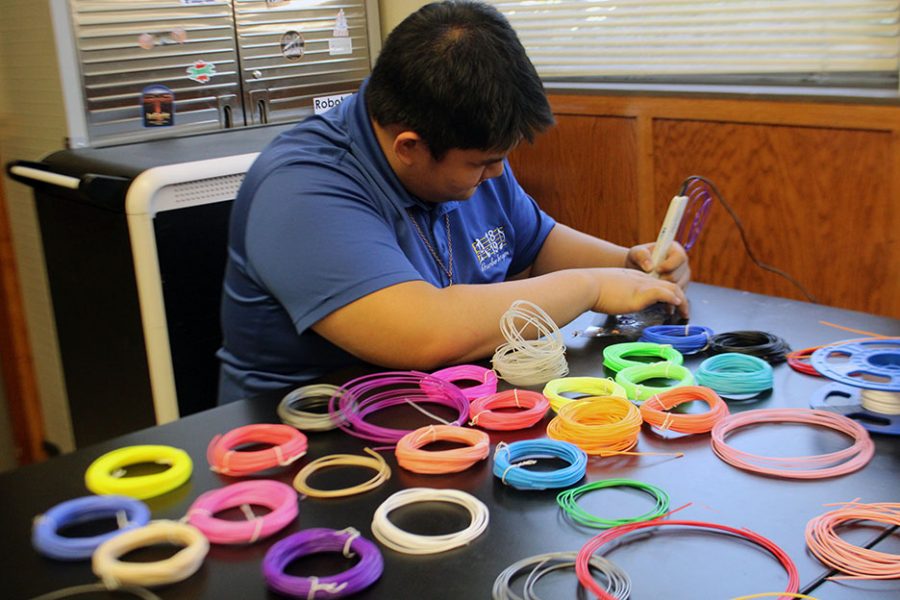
(674, 295)
(642, 258)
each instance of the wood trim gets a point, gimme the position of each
(771, 112)
(19, 378)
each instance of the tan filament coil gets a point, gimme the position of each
(877, 401)
(294, 408)
(374, 461)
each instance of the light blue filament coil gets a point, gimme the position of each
(510, 460)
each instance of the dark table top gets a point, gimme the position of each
(668, 563)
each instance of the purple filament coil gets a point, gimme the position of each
(364, 573)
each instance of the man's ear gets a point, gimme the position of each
(409, 147)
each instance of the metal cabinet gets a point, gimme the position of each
(136, 70)
(295, 52)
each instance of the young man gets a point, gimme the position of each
(391, 230)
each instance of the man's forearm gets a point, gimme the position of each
(567, 248)
(450, 325)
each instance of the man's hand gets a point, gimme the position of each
(623, 291)
(674, 267)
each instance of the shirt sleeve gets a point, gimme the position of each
(531, 224)
(316, 243)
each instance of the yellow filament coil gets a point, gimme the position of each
(585, 386)
(104, 476)
(604, 425)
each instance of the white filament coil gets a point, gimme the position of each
(524, 362)
(885, 403)
(410, 543)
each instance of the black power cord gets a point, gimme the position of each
(699, 178)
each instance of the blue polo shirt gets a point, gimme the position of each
(321, 220)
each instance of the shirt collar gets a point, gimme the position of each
(366, 147)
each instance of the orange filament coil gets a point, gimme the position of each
(655, 410)
(410, 455)
(604, 425)
(856, 562)
(533, 405)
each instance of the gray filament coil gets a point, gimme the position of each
(616, 581)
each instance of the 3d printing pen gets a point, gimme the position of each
(667, 232)
(634, 323)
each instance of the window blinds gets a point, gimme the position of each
(679, 39)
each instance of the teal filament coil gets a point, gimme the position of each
(736, 375)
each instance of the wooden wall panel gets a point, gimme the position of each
(817, 185)
(16, 365)
(811, 201)
(583, 172)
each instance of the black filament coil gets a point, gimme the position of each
(761, 344)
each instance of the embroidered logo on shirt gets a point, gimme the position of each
(491, 248)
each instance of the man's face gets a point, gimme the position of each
(457, 175)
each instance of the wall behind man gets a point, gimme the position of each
(394, 11)
(32, 124)
(815, 183)
(7, 454)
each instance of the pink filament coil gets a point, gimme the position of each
(279, 498)
(832, 464)
(530, 408)
(286, 446)
(410, 455)
(486, 377)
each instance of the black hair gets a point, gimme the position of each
(456, 74)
